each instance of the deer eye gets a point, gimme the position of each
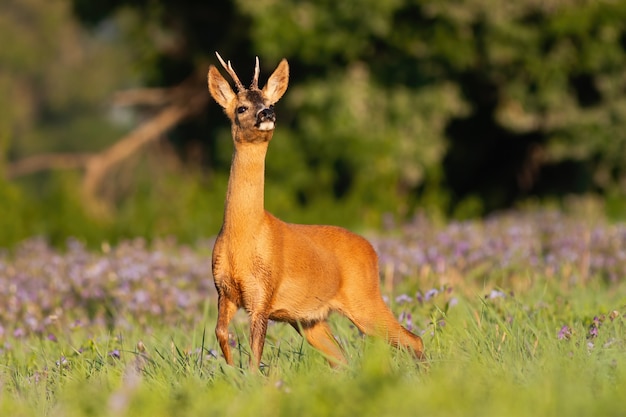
(241, 109)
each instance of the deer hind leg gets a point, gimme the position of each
(226, 309)
(380, 322)
(319, 336)
(258, 331)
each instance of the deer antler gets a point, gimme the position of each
(255, 80)
(231, 72)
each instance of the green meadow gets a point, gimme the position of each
(516, 330)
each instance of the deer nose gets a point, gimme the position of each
(266, 115)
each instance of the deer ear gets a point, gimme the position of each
(277, 83)
(220, 89)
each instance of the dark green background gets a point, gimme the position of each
(451, 108)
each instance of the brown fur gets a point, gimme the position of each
(287, 272)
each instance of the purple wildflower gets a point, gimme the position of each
(564, 333)
(595, 325)
(37, 377)
(403, 298)
(115, 354)
(406, 319)
(430, 294)
(495, 294)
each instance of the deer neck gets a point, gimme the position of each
(245, 196)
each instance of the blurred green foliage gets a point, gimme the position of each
(458, 108)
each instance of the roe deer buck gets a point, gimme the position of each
(279, 271)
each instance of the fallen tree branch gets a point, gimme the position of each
(44, 162)
(178, 103)
(142, 97)
(99, 164)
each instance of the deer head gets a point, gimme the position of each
(250, 110)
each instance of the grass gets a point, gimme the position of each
(520, 317)
(488, 357)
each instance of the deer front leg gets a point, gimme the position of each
(258, 330)
(226, 309)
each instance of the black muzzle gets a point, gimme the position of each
(265, 115)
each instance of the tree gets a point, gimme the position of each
(543, 83)
(467, 106)
(54, 79)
